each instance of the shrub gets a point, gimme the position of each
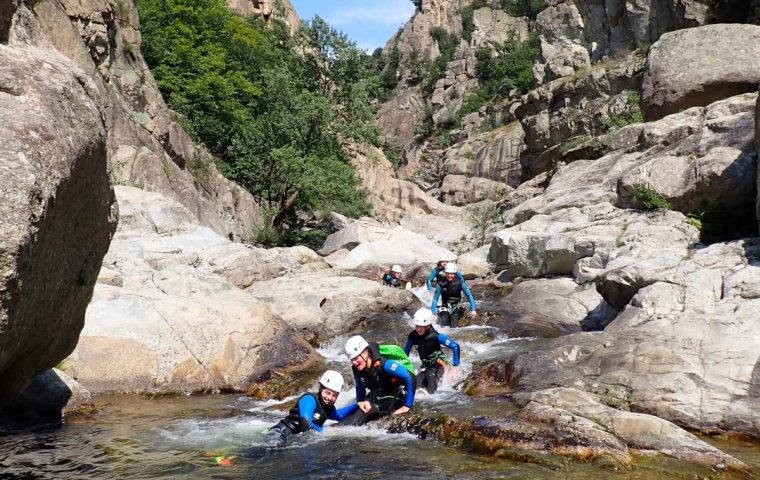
(649, 198)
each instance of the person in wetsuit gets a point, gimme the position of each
(312, 410)
(392, 278)
(438, 275)
(428, 342)
(383, 387)
(450, 292)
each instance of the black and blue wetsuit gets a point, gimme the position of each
(438, 275)
(433, 359)
(450, 293)
(390, 281)
(390, 387)
(308, 413)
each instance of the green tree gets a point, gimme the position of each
(275, 109)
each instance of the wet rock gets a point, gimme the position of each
(698, 66)
(57, 210)
(49, 397)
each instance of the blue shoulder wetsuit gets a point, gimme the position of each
(456, 299)
(434, 274)
(307, 405)
(442, 339)
(395, 370)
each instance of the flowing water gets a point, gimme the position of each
(220, 436)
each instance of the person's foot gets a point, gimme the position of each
(422, 392)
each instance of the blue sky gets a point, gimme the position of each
(370, 23)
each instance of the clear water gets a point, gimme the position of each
(220, 437)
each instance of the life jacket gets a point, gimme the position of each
(297, 424)
(427, 346)
(451, 291)
(374, 378)
(391, 281)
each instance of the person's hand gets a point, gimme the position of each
(364, 406)
(473, 314)
(401, 410)
(452, 373)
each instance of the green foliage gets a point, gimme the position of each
(733, 11)
(447, 45)
(167, 171)
(275, 116)
(484, 218)
(649, 198)
(263, 232)
(393, 154)
(510, 67)
(523, 8)
(634, 114)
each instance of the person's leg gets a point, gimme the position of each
(456, 313)
(278, 435)
(359, 418)
(434, 375)
(444, 319)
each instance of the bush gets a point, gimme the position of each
(511, 66)
(634, 114)
(523, 8)
(649, 199)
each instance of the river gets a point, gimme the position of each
(220, 436)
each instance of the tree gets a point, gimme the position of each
(275, 109)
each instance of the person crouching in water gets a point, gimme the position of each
(312, 410)
(428, 342)
(392, 278)
(391, 387)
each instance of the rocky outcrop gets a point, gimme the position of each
(390, 197)
(564, 119)
(576, 34)
(353, 235)
(568, 423)
(757, 141)
(165, 317)
(268, 9)
(684, 349)
(56, 203)
(146, 146)
(698, 66)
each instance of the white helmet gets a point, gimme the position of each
(423, 317)
(443, 258)
(396, 269)
(332, 380)
(355, 346)
(450, 268)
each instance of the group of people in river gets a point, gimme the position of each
(384, 378)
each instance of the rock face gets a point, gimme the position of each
(268, 9)
(576, 34)
(684, 349)
(757, 140)
(698, 66)
(165, 317)
(390, 197)
(146, 146)
(56, 203)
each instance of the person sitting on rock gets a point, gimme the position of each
(450, 291)
(312, 410)
(392, 278)
(428, 342)
(437, 274)
(390, 385)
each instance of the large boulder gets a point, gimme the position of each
(757, 141)
(684, 349)
(450, 234)
(165, 319)
(57, 208)
(355, 233)
(399, 246)
(322, 305)
(698, 66)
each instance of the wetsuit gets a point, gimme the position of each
(433, 359)
(451, 295)
(308, 413)
(438, 275)
(391, 281)
(390, 386)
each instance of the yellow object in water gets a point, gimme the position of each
(224, 460)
